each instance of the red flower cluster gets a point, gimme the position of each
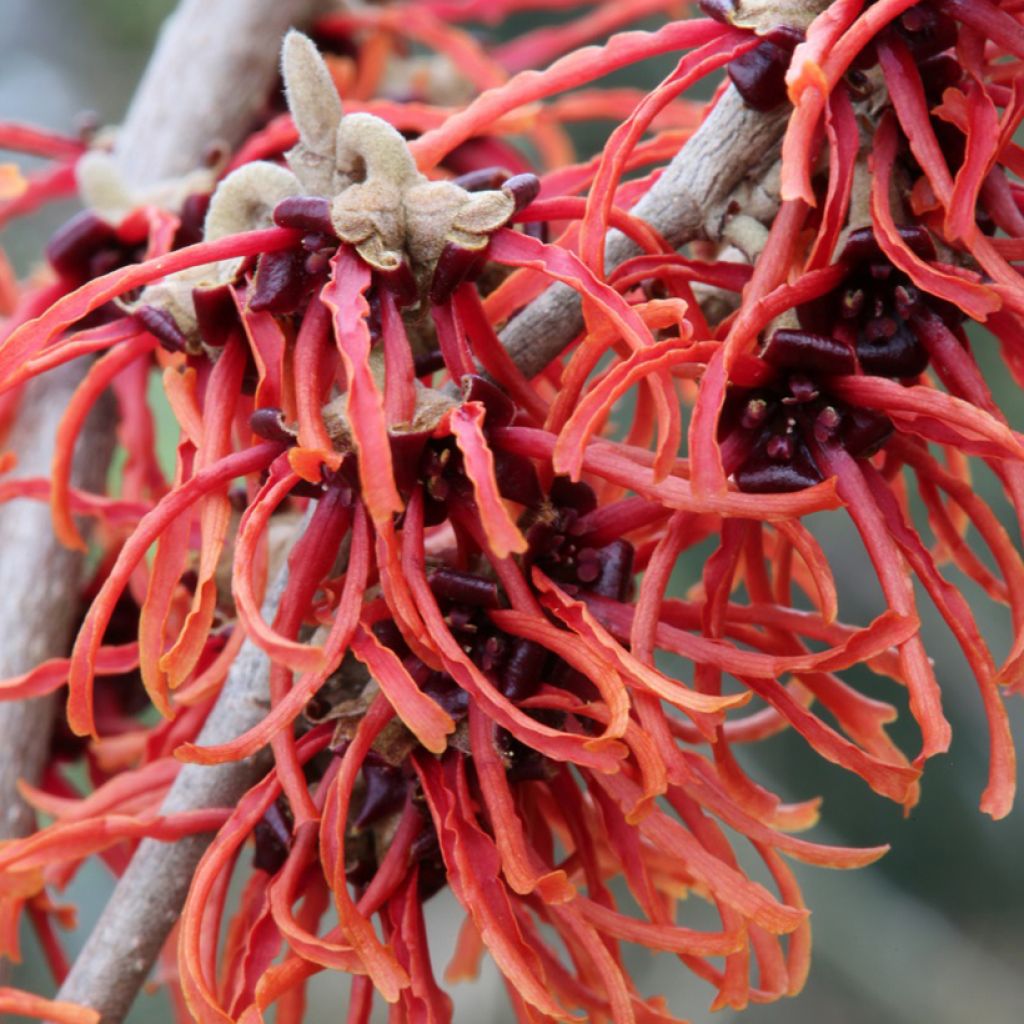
(474, 586)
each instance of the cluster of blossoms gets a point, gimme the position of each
(473, 565)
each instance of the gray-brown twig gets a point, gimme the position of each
(39, 582)
(687, 202)
(125, 942)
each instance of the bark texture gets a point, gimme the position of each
(688, 202)
(212, 69)
(39, 581)
(125, 942)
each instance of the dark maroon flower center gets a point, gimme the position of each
(867, 325)
(760, 74)
(924, 30)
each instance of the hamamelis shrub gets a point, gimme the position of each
(460, 558)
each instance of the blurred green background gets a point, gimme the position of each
(933, 932)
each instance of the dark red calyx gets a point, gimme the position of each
(501, 410)
(216, 314)
(483, 180)
(517, 478)
(305, 213)
(940, 73)
(523, 763)
(273, 837)
(426, 363)
(388, 633)
(443, 690)
(771, 431)
(925, 31)
(889, 348)
(455, 265)
(426, 855)
(615, 575)
(862, 247)
(577, 495)
(162, 326)
(760, 74)
(863, 432)
(269, 423)
(520, 676)
(280, 283)
(385, 790)
(401, 282)
(804, 350)
(464, 588)
(556, 543)
(875, 309)
(73, 248)
(720, 10)
(192, 218)
(523, 188)
(762, 474)
(406, 454)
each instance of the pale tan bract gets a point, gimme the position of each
(103, 189)
(763, 16)
(380, 202)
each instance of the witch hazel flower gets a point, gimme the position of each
(857, 360)
(457, 649)
(525, 701)
(869, 322)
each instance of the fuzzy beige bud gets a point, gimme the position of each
(312, 98)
